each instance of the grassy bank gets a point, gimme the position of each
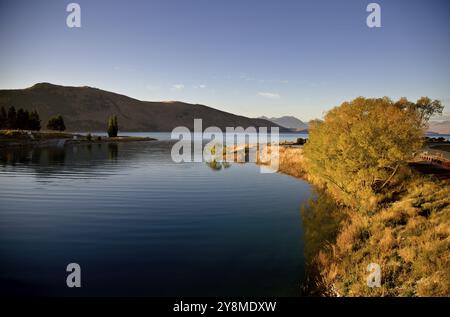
(376, 204)
(408, 235)
(291, 159)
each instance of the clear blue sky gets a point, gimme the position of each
(248, 57)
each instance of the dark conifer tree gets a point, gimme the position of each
(113, 126)
(3, 118)
(12, 118)
(35, 121)
(22, 119)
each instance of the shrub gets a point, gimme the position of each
(12, 118)
(56, 123)
(361, 146)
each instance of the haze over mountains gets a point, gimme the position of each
(442, 127)
(289, 122)
(87, 109)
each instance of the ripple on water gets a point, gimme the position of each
(171, 229)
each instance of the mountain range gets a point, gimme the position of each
(441, 127)
(87, 109)
(289, 122)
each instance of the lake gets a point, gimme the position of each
(165, 136)
(139, 224)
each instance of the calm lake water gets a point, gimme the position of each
(139, 224)
(166, 136)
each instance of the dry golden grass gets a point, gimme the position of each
(291, 159)
(42, 135)
(410, 239)
(408, 235)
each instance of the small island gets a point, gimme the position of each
(21, 128)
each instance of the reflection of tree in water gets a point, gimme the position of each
(26, 155)
(217, 162)
(16, 156)
(113, 151)
(321, 218)
(49, 156)
(217, 166)
(69, 159)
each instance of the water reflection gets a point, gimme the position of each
(56, 155)
(113, 151)
(321, 218)
(140, 224)
(69, 159)
(217, 166)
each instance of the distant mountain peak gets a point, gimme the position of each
(289, 122)
(42, 85)
(441, 127)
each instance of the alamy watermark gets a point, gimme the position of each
(374, 18)
(74, 277)
(235, 145)
(374, 277)
(73, 19)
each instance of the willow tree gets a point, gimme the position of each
(360, 147)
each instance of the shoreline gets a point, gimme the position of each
(341, 239)
(21, 138)
(421, 202)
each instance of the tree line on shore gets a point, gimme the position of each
(22, 119)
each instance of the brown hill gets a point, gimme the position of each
(87, 109)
